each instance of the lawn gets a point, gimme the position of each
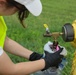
(55, 14)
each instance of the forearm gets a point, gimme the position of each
(30, 67)
(7, 67)
(16, 49)
(24, 68)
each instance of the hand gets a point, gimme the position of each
(52, 59)
(35, 56)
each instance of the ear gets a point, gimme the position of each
(2, 2)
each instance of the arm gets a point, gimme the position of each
(16, 49)
(7, 67)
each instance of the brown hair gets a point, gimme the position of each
(23, 12)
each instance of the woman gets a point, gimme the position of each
(37, 62)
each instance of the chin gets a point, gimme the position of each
(8, 14)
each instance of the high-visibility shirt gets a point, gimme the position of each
(3, 30)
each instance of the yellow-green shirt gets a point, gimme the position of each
(3, 30)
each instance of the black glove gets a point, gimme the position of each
(52, 59)
(35, 56)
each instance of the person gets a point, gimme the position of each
(36, 61)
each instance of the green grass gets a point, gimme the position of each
(55, 13)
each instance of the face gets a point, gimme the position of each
(5, 9)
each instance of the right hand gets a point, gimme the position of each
(52, 59)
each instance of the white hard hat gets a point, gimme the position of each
(33, 6)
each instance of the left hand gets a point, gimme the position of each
(35, 56)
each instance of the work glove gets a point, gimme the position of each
(35, 56)
(52, 59)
